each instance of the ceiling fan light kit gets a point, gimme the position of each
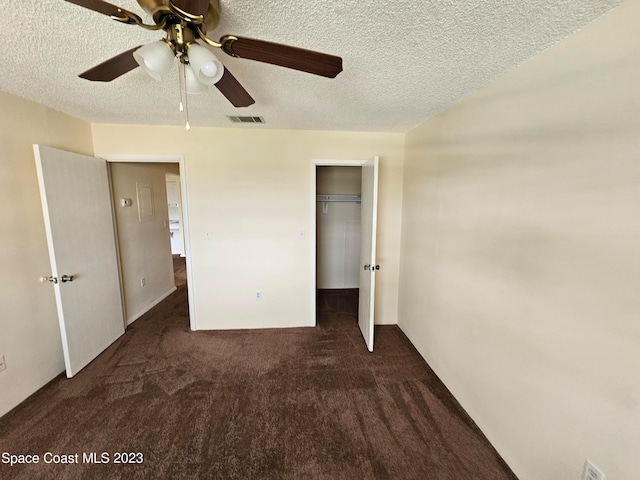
(206, 66)
(185, 22)
(193, 85)
(155, 58)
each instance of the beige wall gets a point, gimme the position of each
(252, 189)
(144, 246)
(521, 254)
(29, 333)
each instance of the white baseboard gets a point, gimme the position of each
(133, 318)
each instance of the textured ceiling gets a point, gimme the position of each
(404, 61)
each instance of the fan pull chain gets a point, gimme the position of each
(180, 85)
(183, 91)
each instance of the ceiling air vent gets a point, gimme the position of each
(246, 119)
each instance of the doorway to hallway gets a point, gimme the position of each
(146, 264)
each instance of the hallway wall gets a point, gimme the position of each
(145, 245)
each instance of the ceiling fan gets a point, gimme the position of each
(184, 23)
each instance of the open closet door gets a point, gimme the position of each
(369, 213)
(76, 203)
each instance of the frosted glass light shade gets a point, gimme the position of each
(206, 66)
(194, 87)
(155, 58)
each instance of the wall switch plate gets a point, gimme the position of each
(258, 295)
(143, 281)
(3, 364)
(591, 472)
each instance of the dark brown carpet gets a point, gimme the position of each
(305, 403)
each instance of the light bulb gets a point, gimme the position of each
(209, 70)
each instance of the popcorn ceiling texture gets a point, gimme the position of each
(403, 61)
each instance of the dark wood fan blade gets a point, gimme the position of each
(283, 55)
(192, 7)
(112, 68)
(235, 93)
(97, 6)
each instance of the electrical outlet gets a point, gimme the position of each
(258, 295)
(3, 364)
(591, 472)
(143, 281)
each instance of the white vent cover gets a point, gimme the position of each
(235, 119)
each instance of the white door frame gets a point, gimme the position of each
(179, 159)
(321, 163)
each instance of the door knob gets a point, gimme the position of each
(367, 267)
(49, 279)
(66, 278)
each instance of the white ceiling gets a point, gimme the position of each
(404, 61)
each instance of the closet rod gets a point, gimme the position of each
(338, 198)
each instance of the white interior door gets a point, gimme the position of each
(76, 202)
(368, 266)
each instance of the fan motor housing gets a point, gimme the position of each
(160, 8)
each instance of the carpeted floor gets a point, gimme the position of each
(307, 403)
